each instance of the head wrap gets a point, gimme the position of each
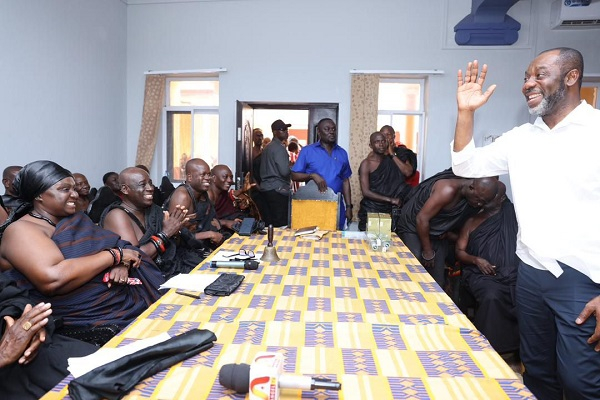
(37, 177)
(33, 179)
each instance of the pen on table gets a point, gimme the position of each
(188, 294)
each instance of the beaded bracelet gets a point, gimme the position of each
(164, 237)
(158, 243)
(155, 244)
(120, 254)
(114, 256)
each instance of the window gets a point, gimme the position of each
(589, 93)
(401, 105)
(192, 123)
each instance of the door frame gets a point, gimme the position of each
(245, 124)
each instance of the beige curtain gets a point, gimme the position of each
(363, 122)
(154, 95)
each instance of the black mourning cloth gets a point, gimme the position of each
(115, 379)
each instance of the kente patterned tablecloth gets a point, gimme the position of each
(374, 321)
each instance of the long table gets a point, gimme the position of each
(374, 321)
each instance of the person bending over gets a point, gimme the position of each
(438, 205)
(486, 248)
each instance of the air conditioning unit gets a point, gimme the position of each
(573, 14)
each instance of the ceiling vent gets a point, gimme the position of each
(575, 14)
(488, 24)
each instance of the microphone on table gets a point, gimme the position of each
(263, 378)
(242, 264)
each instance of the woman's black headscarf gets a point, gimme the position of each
(33, 179)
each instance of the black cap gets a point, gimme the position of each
(279, 125)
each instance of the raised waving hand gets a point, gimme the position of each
(470, 95)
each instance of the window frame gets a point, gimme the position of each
(192, 110)
(421, 112)
(592, 82)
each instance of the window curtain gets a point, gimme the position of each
(154, 95)
(363, 122)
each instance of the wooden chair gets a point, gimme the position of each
(310, 207)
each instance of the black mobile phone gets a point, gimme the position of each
(246, 227)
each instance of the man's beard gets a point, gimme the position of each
(549, 102)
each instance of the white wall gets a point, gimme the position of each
(72, 71)
(302, 51)
(62, 76)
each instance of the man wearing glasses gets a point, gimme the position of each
(275, 177)
(327, 164)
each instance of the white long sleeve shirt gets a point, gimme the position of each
(555, 179)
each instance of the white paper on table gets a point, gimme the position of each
(191, 282)
(354, 235)
(79, 366)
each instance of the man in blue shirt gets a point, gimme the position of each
(327, 164)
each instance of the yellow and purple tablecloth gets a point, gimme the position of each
(374, 321)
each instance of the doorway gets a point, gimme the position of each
(304, 118)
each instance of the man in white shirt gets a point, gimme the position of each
(555, 178)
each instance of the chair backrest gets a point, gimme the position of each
(310, 207)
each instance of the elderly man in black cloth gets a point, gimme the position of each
(203, 229)
(9, 198)
(438, 205)
(141, 222)
(486, 247)
(382, 180)
(32, 359)
(231, 206)
(82, 187)
(107, 194)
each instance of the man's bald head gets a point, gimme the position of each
(82, 186)
(136, 187)
(8, 177)
(194, 164)
(487, 187)
(222, 177)
(496, 203)
(130, 175)
(378, 142)
(197, 174)
(11, 171)
(375, 135)
(481, 191)
(220, 168)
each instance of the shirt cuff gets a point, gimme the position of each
(458, 157)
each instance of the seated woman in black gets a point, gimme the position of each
(63, 258)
